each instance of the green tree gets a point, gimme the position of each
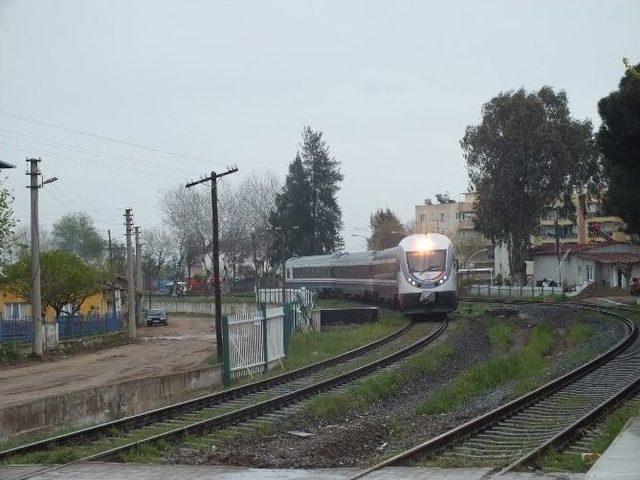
(386, 228)
(307, 218)
(323, 173)
(76, 233)
(290, 219)
(619, 142)
(526, 154)
(65, 280)
(443, 198)
(7, 222)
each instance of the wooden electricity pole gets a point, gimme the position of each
(213, 178)
(131, 283)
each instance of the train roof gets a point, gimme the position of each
(341, 258)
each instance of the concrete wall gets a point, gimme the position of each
(104, 403)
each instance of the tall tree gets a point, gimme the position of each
(7, 222)
(76, 233)
(307, 218)
(290, 223)
(528, 153)
(386, 228)
(323, 173)
(619, 142)
(66, 280)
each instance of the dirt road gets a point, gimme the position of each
(183, 345)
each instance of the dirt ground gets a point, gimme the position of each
(184, 344)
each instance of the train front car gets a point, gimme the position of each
(427, 275)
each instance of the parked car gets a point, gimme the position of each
(156, 316)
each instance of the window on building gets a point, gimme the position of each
(589, 269)
(16, 311)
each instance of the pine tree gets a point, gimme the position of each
(307, 219)
(323, 172)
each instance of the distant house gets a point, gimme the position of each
(606, 263)
(13, 307)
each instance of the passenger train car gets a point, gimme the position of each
(418, 275)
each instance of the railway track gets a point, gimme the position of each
(214, 411)
(552, 416)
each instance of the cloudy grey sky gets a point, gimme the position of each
(392, 85)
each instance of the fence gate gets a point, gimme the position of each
(250, 341)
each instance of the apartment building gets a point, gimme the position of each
(456, 220)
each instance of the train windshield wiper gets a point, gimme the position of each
(432, 268)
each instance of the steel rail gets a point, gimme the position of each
(482, 422)
(153, 416)
(261, 407)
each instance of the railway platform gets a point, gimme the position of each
(620, 461)
(122, 471)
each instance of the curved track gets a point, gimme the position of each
(226, 408)
(521, 431)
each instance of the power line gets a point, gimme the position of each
(71, 158)
(37, 121)
(81, 149)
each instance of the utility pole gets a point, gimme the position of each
(213, 178)
(36, 296)
(139, 289)
(113, 287)
(131, 283)
(557, 230)
(36, 301)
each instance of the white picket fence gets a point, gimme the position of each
(246, 342)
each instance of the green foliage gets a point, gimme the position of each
(386, 228)
(500, 335)
(10, 353)
(444, 198)
(526, 154)
(620, 147)
(75, 233)
(65, 279)
(580, 332)
(315, 346)
(7, 222)
(378, 387)
(308, 219)
(527, 363)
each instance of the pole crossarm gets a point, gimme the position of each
(211, 177)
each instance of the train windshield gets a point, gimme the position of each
(425, 262)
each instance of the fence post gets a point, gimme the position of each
(226, 360)
(286, 320)
(520, 291)
(265, 354)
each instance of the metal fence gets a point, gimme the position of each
(77, 326)
(251, 341)
(274, 295)
(205, 308)
(523, 291)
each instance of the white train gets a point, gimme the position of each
(418, 276)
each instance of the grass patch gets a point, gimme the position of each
(580, 332)
(312, 347)
(147, 452)
(500, 335)
(524, 365)
(381, 386)
(10, 353)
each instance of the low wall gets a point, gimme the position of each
(101, 404)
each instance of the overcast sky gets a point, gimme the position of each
(391, 84)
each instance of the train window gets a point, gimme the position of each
(430, 261)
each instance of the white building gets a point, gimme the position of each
(605, 263)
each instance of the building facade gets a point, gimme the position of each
(457, 221)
